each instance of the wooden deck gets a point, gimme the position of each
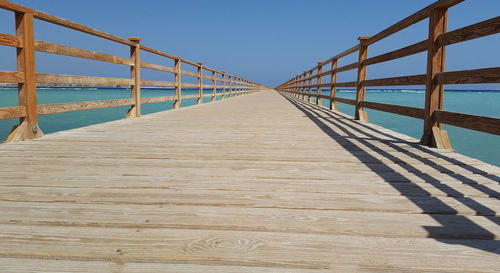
(257, 183)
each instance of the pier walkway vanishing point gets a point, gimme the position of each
(258, 183)
(251, 179)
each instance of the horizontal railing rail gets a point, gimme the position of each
(27, 78)
(434, 80)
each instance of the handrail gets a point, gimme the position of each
(27, 78)
(438, 38)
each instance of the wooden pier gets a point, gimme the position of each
(258, 183)
(256, 180)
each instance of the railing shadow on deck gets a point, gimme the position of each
(431, 205)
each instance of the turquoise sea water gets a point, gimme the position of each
(483, 146)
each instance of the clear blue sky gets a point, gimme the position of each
(267, 41)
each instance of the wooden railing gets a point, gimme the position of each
(27, 78)
(434, 80)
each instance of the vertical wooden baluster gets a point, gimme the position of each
(231, 79)
(200, 83)
(135, 74)
(223, 85)
(360, 113)
(304, 85)
(318, 81)
(433, 134)
(333, 89)
(214, 86)
(309, 99)
(28, 126)
(178, 87)
(296, 86)
(237, 86)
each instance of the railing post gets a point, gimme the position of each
(135, 74)
(304, 85)
(318, 81)
(360, 113)
(28, 126)
(178, 87)
(333, 89)
(433, 134)
(200, 83)
(238, 86)
(231, 79)
(214, 86)
(309, 99)
(223, 85)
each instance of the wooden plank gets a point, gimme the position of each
(347, 67)
(412, 19)
(395, 109)
(343, 54)
(478, 30)
(473, 122)
(484, 75)
(242, 219)
(12, 112)
(11, 76)
(344, 100)
(189, 73)
(402, 80)
(46, 109)
(399, 53)
(329, 72)
(157, 99)
(83, 80)
(10, 40)
(157, 83)
(345, 84)
(47, 47)
(157, 67)
(62, 22)
(10, 265)
(334, 252)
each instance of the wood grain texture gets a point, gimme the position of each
(483, 75)
(213, 188)
(399, 53)
(46, 109)
(359, 112)
(10, 40)
(474, 122)
(478, 30)
(82, 80)
(47, 47)
(11, 77)
(412, 19)
(402, 80)
(434, 91)
(157, 67)
(12, 112)
(158, 83)
(157, 99)
(395, 109)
